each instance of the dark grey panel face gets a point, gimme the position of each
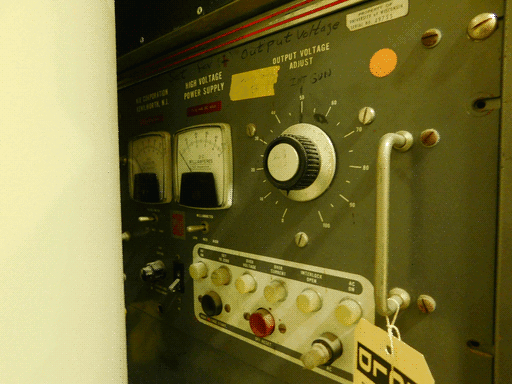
(443, 198)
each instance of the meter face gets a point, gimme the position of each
(203, 176)
(150, 168)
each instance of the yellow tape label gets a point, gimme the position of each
(254, 84)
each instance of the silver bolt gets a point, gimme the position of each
(426, 304)
(301, 239)
(366, 115)
(431, 38)
(199, 10)
(482, 26)
(250, 130)
(141, 40)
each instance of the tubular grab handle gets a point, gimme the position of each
(385, 306)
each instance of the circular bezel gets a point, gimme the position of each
(327, 166)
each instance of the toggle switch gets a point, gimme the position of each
(309, 301)
(221, 276)
(145, 219)
(198, 270)
(204, 227)
(245, 284)
(275, 292)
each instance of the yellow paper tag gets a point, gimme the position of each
(374, 365)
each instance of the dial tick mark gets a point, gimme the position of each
(282, 217)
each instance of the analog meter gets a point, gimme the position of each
(150, 168)
(203, 176)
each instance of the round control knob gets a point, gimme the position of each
(275, 291)
(291, 162)
(309, 301)
(262, 323)
(348, 312)
(198, 270)
(245, 284)
(221, 276)
(323, 351)
(319, 354)
(211, 304)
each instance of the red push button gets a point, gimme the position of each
(262, 323)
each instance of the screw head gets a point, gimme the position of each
(426, 304)
(482, 26)
(431, 38)
(429, 137)
(301, 239)
(199, 10)
(250, 129)
(366, 115)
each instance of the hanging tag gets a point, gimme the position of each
(374, 364)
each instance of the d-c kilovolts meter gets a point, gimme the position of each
(149, 162)
(203, 176)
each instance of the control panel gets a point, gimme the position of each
(327, 162)
(283, 307)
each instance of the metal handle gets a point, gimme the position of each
(385, 306)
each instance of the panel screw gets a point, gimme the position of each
(429, 137)
(431, 38)
(301, 239)
(426, 304)
(250, 130)
(199, 10)
(366, 115)
(482, 26)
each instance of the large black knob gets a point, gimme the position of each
(291, 162)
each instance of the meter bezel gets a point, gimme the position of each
(226, 197)
(166, 189)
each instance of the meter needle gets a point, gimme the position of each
(185, 162)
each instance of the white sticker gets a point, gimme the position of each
(377, 14)
(374, 364)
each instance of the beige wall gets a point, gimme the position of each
(61, 279)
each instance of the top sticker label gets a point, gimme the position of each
(377, 14)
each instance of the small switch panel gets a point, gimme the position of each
(283, 307)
